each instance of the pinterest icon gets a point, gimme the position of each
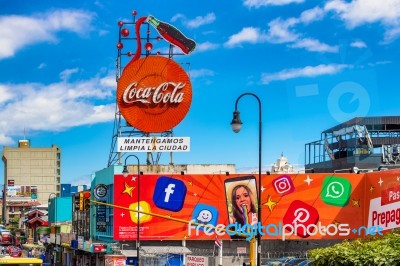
(300, 215)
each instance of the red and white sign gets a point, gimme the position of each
(97, 248)
(241, 250)
(154, 94)
(196, 261)
(390, 195)
(386, 216)
(114, 260)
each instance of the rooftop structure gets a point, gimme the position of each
(362, 143)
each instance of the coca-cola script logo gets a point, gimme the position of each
(154, 94)
(158, 94)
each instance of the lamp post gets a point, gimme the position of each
(53, 196)
(125, 174)
(236, 126)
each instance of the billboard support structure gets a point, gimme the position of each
(121, 127)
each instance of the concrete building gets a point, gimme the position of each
(32, 173)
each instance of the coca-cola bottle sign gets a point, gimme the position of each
(154, 94)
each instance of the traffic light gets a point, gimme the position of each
(76, 201)
(86, 200)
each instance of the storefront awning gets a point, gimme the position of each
(159, 250)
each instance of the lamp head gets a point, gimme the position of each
(125, 171)
(236, 122)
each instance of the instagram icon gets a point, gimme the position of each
(283, 185)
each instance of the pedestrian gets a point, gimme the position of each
(3, 250)
(30, 254)
(43, 256)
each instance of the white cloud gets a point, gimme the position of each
(177, 17)
(206, 46)
(311, 15)
(56, 106)
(379, 63)
(249, 35)
(358, 44)
(5, 94)
(82, 180)
(200, 21)
(313, 45)
(391, 34)
(283, 31)
(308, 71)
(197, 73)
(42, 65)
(109, 81)
(71, 20)
(66, 74)
(16, 32)
(359, 12)
(5, 140)
(280, 30)
(260, 3)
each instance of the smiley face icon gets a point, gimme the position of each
(205, 214)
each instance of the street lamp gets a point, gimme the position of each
(125, 173)
(236, 126)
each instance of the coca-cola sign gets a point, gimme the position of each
(154, 94)
(159, 94)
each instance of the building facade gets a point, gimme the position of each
(32, 173)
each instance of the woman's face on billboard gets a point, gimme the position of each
(242, 198)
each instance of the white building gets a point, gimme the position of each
(282, 166)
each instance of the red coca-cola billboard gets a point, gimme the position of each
(154, 94)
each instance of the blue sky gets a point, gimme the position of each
(313, 64)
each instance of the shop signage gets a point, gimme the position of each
(196, 260)
(241, 250)
(100, 191)
(114, 260)
(160, 144)
(390, 195)
(97, 248)
(101, 218)
(154, 94)
(80, 242)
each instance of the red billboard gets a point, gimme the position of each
(293, 206)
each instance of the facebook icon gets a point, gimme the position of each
(169, 194)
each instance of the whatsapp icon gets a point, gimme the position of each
(336, 191)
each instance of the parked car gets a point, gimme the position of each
(14, 251)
